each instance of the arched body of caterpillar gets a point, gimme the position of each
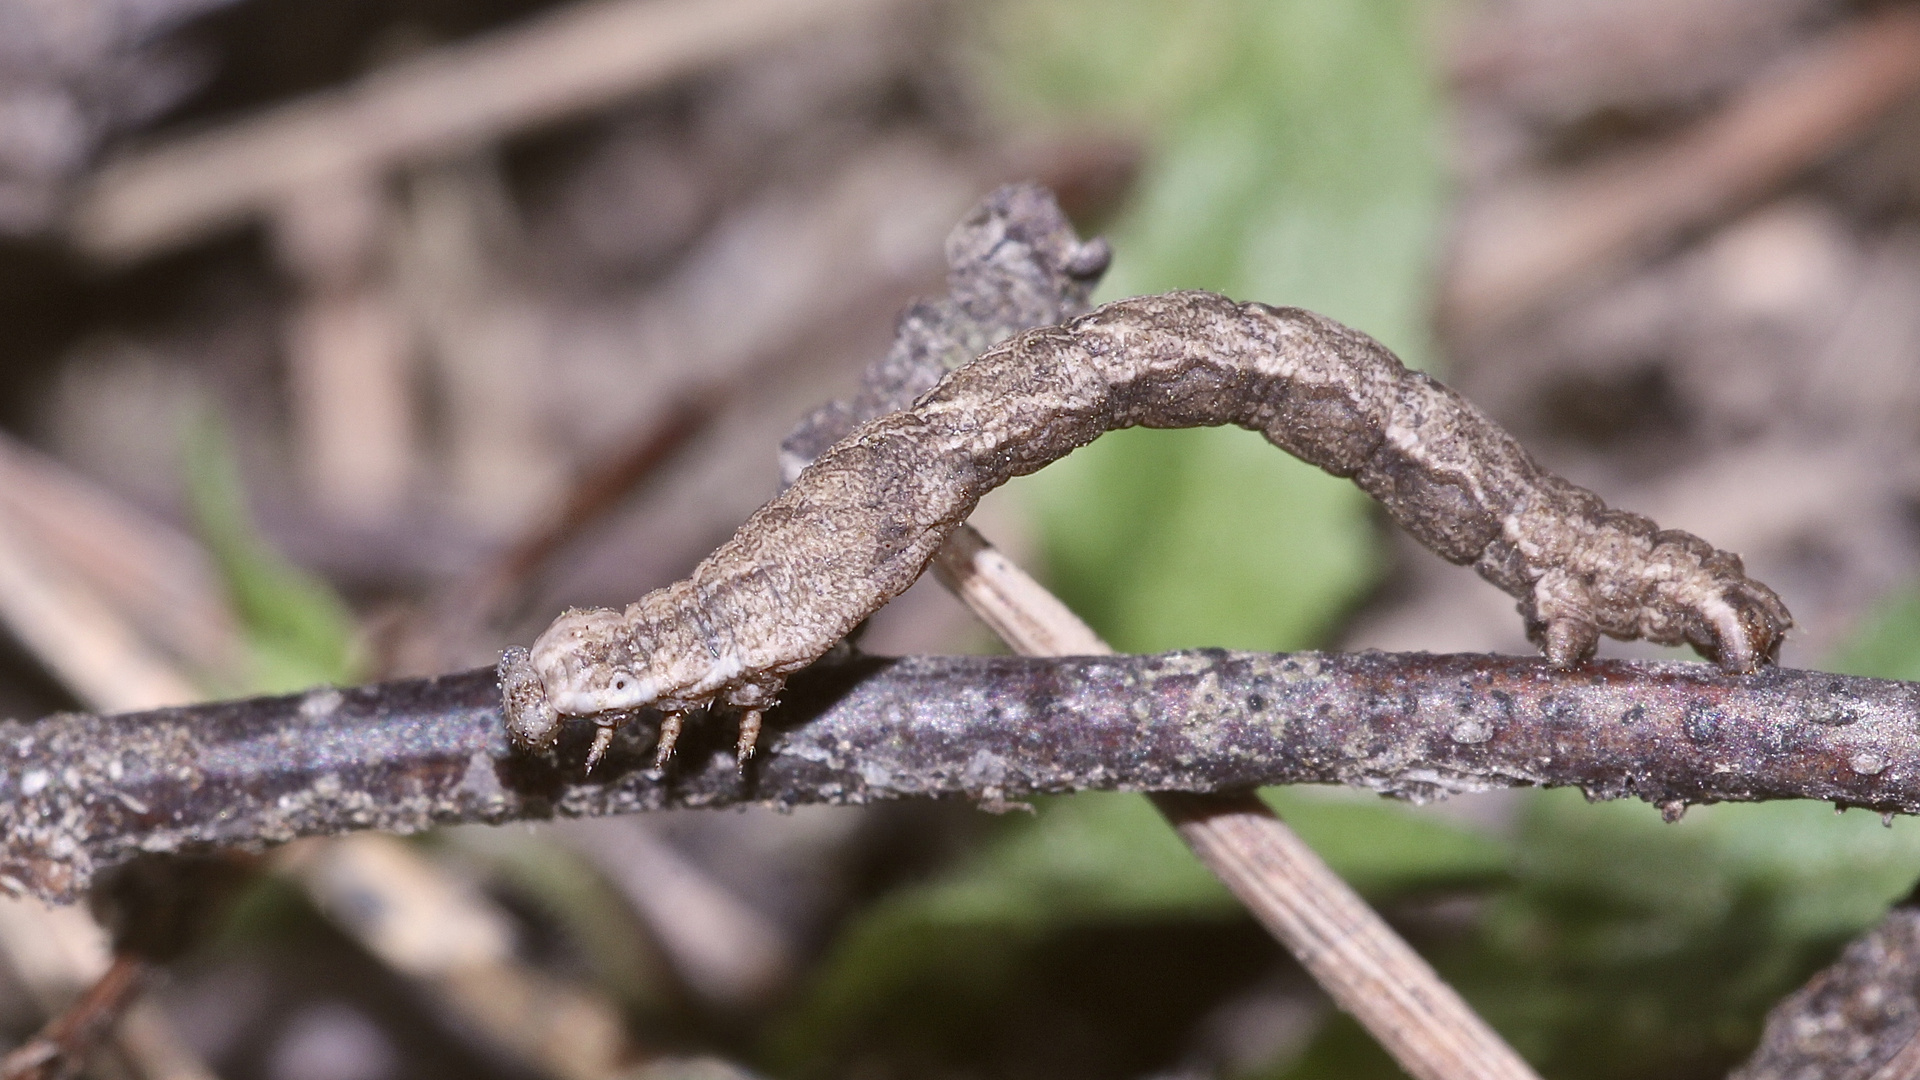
(863, 521)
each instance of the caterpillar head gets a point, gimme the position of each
(585, 663)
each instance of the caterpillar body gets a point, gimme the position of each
(863, 521)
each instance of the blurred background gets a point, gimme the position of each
(354, 340)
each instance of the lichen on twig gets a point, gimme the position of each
(79, 793)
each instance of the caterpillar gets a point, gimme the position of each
(861, 523)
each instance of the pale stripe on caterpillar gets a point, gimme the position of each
(862, 522)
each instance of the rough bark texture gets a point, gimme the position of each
(1014, 263)
(79, 793)
(861, 523)
(1852, 1019)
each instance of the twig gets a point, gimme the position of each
(1537, 242)
(458, 945)
(60, 1048)
(489, 593)
(80, 792)
(576, 58)
(1858, 1019)
(1366, 968)
(160, 578)
(83, 639)
(349, 353)
(726, 952)
(1363, 965)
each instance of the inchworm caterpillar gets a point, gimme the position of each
(862, 522)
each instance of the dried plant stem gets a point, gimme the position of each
(457, 945)
(61, 1047)
(1547, 238)
(1363, 965)
(572, 59)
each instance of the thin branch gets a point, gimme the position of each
(1367, 968)
(79, 792)
(571, 59)
(1541, 240)
(61, 1048)
(1857, 1019)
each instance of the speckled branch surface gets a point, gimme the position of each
(863, 520)
(79, 793)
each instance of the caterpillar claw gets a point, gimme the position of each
(1745, 629)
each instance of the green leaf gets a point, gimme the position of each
(300, 633)
(1293, 161)
(1887, 645)
(1088, 860)
(1629, 947)
(1172, 539)
(1384, 848)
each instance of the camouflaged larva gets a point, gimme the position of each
(861, 523)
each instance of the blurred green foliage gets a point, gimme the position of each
(1293, 159)
(1626, 947)
(934, 961)
(1630, 947)
(299, 632)
(1888, 642)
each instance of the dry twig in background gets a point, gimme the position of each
(448, 102)
(1018, 244)
(1530, 245)
(60, 1047)
(459, 945)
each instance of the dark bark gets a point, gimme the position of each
(1850, 1020)
(80, 793)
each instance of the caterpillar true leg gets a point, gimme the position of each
(602, 738)
(670, 726)
(749, 735)
(861, 522)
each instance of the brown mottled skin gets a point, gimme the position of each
(862, 523)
